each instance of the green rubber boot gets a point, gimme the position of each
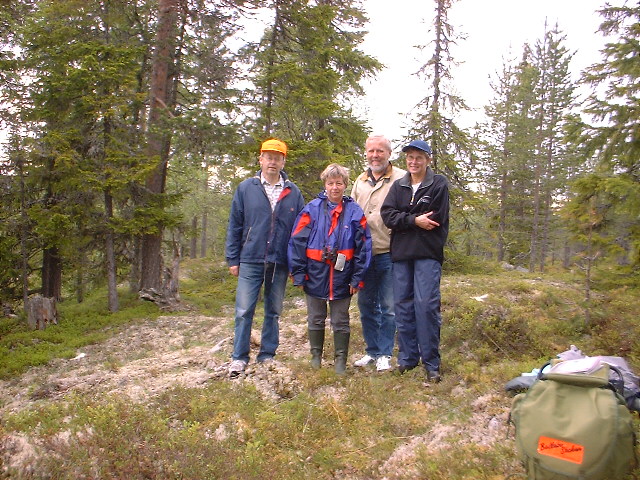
(316, 341)
(341, 345)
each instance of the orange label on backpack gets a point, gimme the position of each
(552, 447)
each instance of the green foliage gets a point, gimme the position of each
(609, 138)
(457, 263)
(498, 316)
(434, 119)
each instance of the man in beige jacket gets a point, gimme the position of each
(375, 300)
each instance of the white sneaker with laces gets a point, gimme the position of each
(382, 363)
(237, 367)
(364, 361)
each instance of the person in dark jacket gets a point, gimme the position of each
(329, 252)
(417, 212)
(263, 211)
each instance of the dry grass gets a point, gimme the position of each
(153, 400)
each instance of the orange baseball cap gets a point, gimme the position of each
(273, 145)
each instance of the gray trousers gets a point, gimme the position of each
(339, 313)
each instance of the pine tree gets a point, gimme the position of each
(209, 137)
(162, 102)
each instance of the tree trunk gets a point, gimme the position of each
(566, 255)
(203, 236)
(193, 244)
(502, 218)
(546, 226)
(134, 272)
(587, 279)
(24, 222)
(82, 261)
(51, 273)
(112, 281)
(41, 311)
(158, 138)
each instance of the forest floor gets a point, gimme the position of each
(149, 358)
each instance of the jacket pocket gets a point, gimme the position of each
(246, 240)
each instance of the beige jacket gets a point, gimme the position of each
(370, 198)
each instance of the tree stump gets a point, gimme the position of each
(41, 311)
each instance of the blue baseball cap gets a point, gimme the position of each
(419, 144)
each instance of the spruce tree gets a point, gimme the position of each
(551, 164)
(308, 68)
(608, 132)
(436, 113)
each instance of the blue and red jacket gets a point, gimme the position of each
(316, 233)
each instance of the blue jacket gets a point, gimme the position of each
(316, 233)
(255, 233)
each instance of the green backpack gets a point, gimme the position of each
(574, 426)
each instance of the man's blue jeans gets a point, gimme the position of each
(416, 289)
(375, 302)
(251, 277)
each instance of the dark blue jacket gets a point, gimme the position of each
(316, 232)
(256, 234)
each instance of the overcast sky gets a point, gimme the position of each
(495, 30)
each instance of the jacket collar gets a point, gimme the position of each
(367, 175)
(286, 182)
(345, 198)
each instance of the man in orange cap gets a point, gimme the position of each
(263, 211)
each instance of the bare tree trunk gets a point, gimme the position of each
(24, 222)
(503, 215)
(110, 256)
(587, 280)
(134, 272)
(203, 236)
(193, 244)
(112, 281)
(546, 225)
(158, 138)
(80, 279)
(537, 186)
(534, 243)
(51, 273)
(51, 261)
(566, 255)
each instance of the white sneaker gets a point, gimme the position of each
(237, 367)
(382, 363)
(364, 361)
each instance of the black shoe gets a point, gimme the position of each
(434, 376)
(405, 368)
